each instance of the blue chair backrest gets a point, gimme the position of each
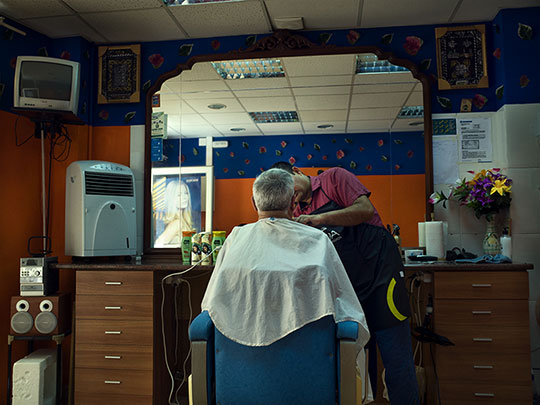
(301, 368)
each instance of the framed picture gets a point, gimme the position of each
(119, 71)
(461, 57)
(182, 200)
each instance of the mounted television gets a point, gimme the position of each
(44, 83)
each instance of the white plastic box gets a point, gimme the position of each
(34, 379)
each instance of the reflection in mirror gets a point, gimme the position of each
(367, 102)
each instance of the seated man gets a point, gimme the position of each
(276, 275)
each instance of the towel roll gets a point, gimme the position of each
(421, 234)
(435, 239)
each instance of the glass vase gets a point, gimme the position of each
(491, 242)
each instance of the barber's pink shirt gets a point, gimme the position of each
(341, 186)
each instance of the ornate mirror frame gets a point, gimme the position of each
(284, 43)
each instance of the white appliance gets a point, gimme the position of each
(34, 379)
(100, 209)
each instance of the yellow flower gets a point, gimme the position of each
(481, 174)
(499, 187)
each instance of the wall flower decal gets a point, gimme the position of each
(292, 160)
(231, 154)
(524, 81)
(497, 53)
(309, 156)
(412, 44)
(410, 154)
(479, 101)
(262, 149)
(225, 170)
(353, 37)
(104, 115)
(325, 157)
(247, 161)
(369, 167)
(156, 60)
(340, 154)
(283, 144)
(380, 143)
(215, 44)
(397, 167)
(65, 55)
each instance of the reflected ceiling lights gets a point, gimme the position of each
(237, 129)
(411, 112)
(267, 117)
(370, 63)
(325, 126)
(217, 106)
(249, 69)
(187, 2)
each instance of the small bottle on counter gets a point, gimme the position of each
(218, 238)
(506, 243)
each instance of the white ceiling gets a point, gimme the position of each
(323, 90)
(350, 103)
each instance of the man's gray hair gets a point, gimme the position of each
(273, 190)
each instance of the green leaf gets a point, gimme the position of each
(386, 39)
(425, 64)
(129, 116)
(499, 92)
(251, 40)
(444, 102)
(147, 84)
(525, 32)
(185, 50)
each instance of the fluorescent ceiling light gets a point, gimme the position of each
(249, 68)
(370, 63)
(411, 112)
(267, 117)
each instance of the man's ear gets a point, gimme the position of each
(296, 170)
(254, 205)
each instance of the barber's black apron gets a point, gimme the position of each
(372, 260)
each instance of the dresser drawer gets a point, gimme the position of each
(113, 382)
(482, 285)
(114, 282)
(114, 332)
(480, 393)
(485, 339)
(482, 313)
(458, 365)
(114, 307)
(84, 398)
(114, 357)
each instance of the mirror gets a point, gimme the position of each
(331, 102)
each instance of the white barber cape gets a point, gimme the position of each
(274, 276)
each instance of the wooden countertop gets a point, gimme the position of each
(168, 266)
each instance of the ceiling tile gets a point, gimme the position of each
(198, 131)
(378, 100)
(269, 104)
(311, 127)
(388, 13)
(206, 95)
(317, 81)
(404, 124)
(199, 71)
(283, 128)
(383, 88)
(188, 119)
(367, 126)
(317, 14)
(374, 113)
(323, 115)
(338, 102)
(85, 6)
(135, 25)
(263, 93)
(198, 86)
(173, 106)
(228, 118)
(375, 78)
(201, 106)
(222, 19)
(254, 84)
(416, 98)
(33, 8)
(250, 129)
(486, 10)
(325, 65)
(313, 91)
(62, 27)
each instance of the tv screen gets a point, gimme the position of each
(45, 80)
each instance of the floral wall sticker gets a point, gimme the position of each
(65, 55)
(479, 100)
(215, 44)
(340, 154)
(497, 53)
(262, 149)
(104, 115)
(292, 160)
(156, 60)
(353, 37)
(412, 44)
(524, 81)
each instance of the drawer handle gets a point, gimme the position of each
(113, 283)
(481, 285)
(117, 308)
(112, 382)
(113, 332)
(483, 367)
(482, 340)
(484, 394)
(481, 312)
(113, 357)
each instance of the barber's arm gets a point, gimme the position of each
(360, 211)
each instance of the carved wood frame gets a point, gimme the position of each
(284, 43)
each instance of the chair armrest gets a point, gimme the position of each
(347, 330)
(202, 328)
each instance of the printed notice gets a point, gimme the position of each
(475, 140)
(445, 169)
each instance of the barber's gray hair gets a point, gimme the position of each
(273, 190)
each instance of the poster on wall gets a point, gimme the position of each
(475, 140)
(177, 203)
(159, 125)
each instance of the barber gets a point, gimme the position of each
(337, 202)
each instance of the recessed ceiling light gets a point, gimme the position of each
(217, 106)
(370, 63)
(416, 123)
(237, 129)
(325, 126)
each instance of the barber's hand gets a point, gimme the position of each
(312, 220)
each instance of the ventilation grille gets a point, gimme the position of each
(109, 184)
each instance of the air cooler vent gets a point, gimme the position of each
(109, 184)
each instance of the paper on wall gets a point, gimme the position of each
(475, 140)
(445, 157)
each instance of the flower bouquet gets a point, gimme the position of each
(487, 193)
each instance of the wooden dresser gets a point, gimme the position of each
(114, 337)
(485, 314)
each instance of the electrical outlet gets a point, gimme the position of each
(174, 280)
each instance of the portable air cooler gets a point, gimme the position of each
(100, 209)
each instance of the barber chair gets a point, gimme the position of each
(315, 364)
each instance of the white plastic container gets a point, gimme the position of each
(506, 244)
